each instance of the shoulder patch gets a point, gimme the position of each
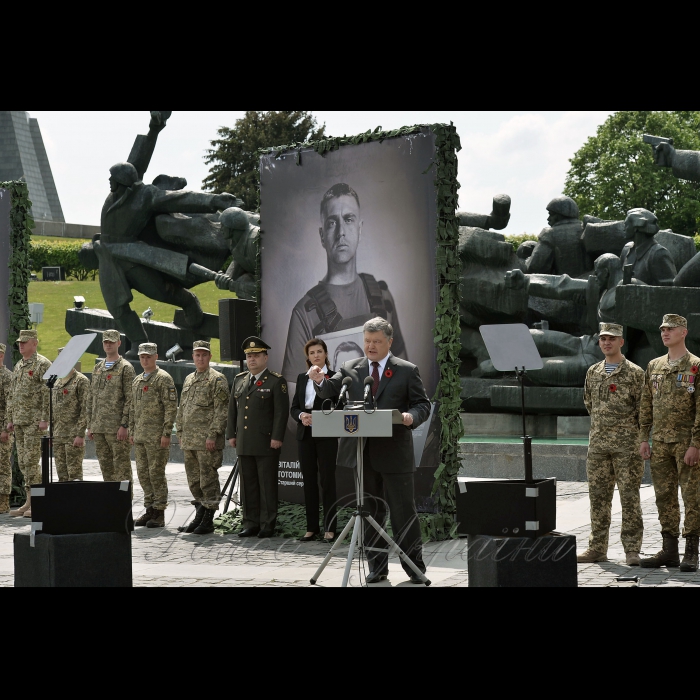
(172, 394)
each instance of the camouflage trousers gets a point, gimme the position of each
(668, 470)
(28, 441)
(6, 466)
(151, 459)
(202, 476)
(604, 471)
(114, 457)
(68, 459)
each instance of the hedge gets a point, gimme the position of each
(61, 253)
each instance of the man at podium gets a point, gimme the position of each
(388, 461)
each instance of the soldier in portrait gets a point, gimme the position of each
(612, 393)
(257, 418)
(70, 399)
(670, 406)
(108, 409)
(5, 436)
(201, 426)
(151, 417)
(28, 412)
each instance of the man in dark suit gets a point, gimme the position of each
(388, 462)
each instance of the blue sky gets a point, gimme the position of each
(523, 154)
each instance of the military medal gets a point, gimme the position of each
(691, 389)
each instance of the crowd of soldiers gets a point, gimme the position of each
(626, 404)
(118, 410)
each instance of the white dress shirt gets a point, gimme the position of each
(310, 391)
(382, 365)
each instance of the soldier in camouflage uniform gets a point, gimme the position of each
(151, 418)
(201, 424)
(612, 393)
(257, 417)
(28, 412)
(670, 405)
(108, 411)
(70, 399)
(5, 437)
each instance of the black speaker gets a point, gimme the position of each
(77, 507)
(238, 320)
(506, 507)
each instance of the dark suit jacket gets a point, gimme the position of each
(299, 403)
(404, 391)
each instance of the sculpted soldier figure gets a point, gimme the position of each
(201, 424)
(5, 436)
(242, 237)
(108, 410)
(670, 405)
(70, 401)
(612, 393)
(257, 417)
(28, 412)
(651, 263)
(151, 417)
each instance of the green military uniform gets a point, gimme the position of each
(202, 416)
(5, 447)
(70, 398)
(108, 410)
(670, 405)
(257, 414)
(27, 407)
(152, 414)
(612, 400)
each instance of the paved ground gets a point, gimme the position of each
(163, 557)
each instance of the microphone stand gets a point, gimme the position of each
(47, 442)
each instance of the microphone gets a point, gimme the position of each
(346, 387)
(368, 387)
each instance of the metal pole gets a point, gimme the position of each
(527, 440)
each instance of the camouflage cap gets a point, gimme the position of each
(610, 329)
(201, 345)
(148, 349)
(673, 321)
(3, 347)
(254, 344)
(110, 336)
(24, 336)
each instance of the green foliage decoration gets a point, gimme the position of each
(440, 525)
(614, 170)
(63, 253)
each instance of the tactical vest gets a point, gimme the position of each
(328, 316)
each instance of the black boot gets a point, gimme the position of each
(144, 518)
(197, 520)
(668, 556)
(206, 526)
(690, 558)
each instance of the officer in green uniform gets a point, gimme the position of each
(670, 404)
(257, 416)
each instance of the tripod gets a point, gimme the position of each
(230, 485)
(357, 524)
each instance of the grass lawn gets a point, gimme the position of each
(59, 238)
(58, 296)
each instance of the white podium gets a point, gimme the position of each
(359, 424)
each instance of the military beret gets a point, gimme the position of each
(254, 344)
(24, 336)
(201, 345)
(3, 347)
(610, 329)
(148, 349)
(673, 321)
(110, 336)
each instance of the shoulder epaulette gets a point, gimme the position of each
(275, 374)
(240, 374)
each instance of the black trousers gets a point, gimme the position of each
(259, 491)
(317, 456)
(396, 492)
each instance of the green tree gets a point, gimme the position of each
(614, 170)
(234, 159)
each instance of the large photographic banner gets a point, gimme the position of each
(5, 206)
(347, 236)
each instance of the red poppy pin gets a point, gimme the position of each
(145, 388)
(109, 376)
(388, 373)
(613, 387)
(258, 383)
(694, 369)
(65, 391)
(31, 374)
